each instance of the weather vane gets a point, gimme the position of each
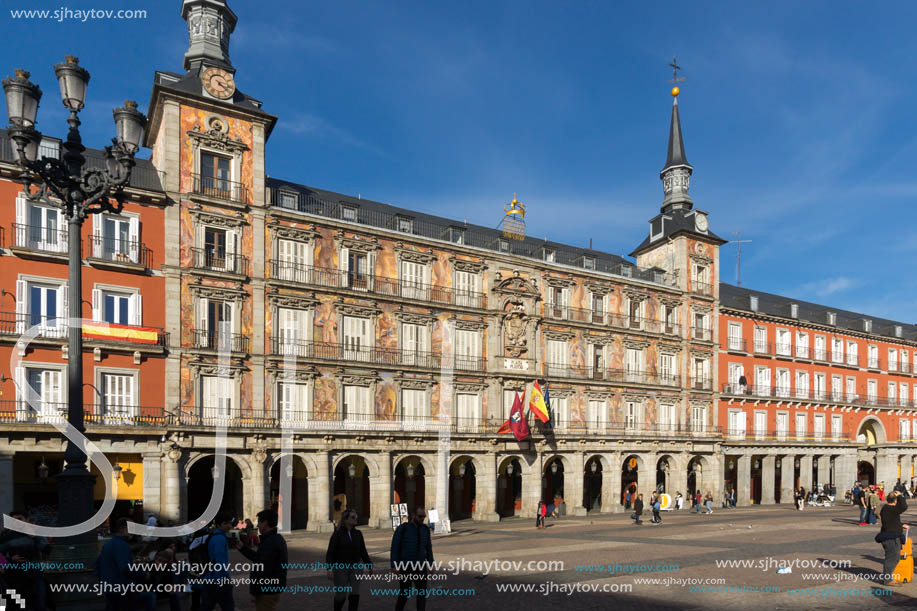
(675, 78)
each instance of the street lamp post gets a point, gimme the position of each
(77, 192)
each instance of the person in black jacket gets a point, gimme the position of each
(638, 508)
(412, 557)
(346, 558)
(270, 573)
(891, 535)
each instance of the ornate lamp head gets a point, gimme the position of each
(129, 125)
(22, 97)
(73, 80)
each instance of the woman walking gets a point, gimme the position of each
(709, 503)
(638, 509)
(540, 514)
(345, 559)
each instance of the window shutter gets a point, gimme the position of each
(22, 294)
(21, 212)
(232, 245)
(343, 265)
(202, 306)
(96, 304)
(63, 301)
(136, 309)
(134, 236)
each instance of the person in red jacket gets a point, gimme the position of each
(540, 514)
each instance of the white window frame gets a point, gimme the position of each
(467, 348)
(820, 348)
(116, 412)
(47, 326)
(293, 260)
(633, 415)
(294, 402)
(415, 408)
(850, 385)
(100, 292)
(467, 402)
(760, 424)
(783, 383)
(761, 340)
(837, 426)
(819, 386)
(837, 350)
(762, 381)
(818, 426)
(48, 407)
(783, 425)
(356, 402)
(293, 330)
(24, 237)
(784, 345)
(872, 391)
(852, 353)
(802, 384)
(872, 359)
(892, 359)
(414, 280)
(560, 408)
(802, 345)
(837, 387)
(233, 245)
(597, 414)
(736, 424)
(218, 398)
(666, 418)
(801, 419)
(415, 344)
(358, 338)
(698, 419)
(129, 253)
(467, 289)
(735, 336)
(904, 429)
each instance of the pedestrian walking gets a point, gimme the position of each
(346, 558)
(217, 581)
(269, 572)
(698, 500)
(657, 506)
(873, 501)
(627, 500)
(411, 557)
(859, 500)
(679, 501)
(114, 571)
(709, 503)
(732, 498)
(540, 514)
(892, 535)
(638, 509)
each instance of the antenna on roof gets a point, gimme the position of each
(738, 244)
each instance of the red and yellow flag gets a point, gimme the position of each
(516, 423)
(121, 333)
(537, 404)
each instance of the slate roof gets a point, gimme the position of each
(675, 222)
(328, 203)
(676, 152)
(191, 83)
(738, 298)
(144, 175)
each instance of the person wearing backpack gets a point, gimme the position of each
(411, 557)
(269, 571)
(218, 586)
(345, 556)
(657, 506)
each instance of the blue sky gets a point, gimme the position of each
(799, 122)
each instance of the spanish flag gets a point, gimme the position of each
(538, 405)
(120, 333)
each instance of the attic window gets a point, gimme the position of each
(405, 225)
(349, 213)
(656, 228)
(550, 255)
(794, 310)
(625, 271)
(589, 262)
(503, 245)
(456, 235)
(898, 330)
(753, 299)
(867, 325)
(288, 200)
(658, 277)
(832, 318)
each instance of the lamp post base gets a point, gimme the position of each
(75, 503)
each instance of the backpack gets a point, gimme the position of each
(200, 555)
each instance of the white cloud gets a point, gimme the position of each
(826, 287)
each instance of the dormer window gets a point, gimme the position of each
(832, 318)
(794, 310)
(550, 255)
(588, 262)
(349, 213)
(503, 245)
(898, 330)
(405, 225)
(288, 200)
(867, 325)
(626, 271)
(456, 235)
(753, 302)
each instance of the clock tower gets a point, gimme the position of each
(680, 240)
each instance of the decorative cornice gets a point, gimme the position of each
(701, 354)
(703, 309)
(704, 404)
(217, 139)
(598, 395)
(208, 291)
(563, 393)
(414, 256)
(517, 285)
(599, 340)
(469, 387)
(219, 220)
(636, 344)
(633, 295)
(350, 309)
(469, 325)
(636, 397)
(557, 282)
(234, 370)
(301, 234)
(672, 302)
(299, 374)
(357, 379)
(558, 335)
(414, 318)
(512, 384)
(599, 289)
(415, 383)
(464, 265)
(286, 300)
(672, 349)
(361, 245)
(702, 259)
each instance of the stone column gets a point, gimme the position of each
(845, 472)
(887, 468)
(646, 477)
(7, 500)
(743, 477)
(485, 488)
(712, 477)
(787, 483)
(380, 492)
(531, 485)
(320, 495)
(170, 466)
(768, 480)
(824, 470)
(573, 485)
(611, 483)
(152, 483)
(805, 472)
(257, 495)
(677, 478)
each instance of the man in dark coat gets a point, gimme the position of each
(269, 573)
(890, 536)
(346, 558)
(638, 508)
(412, 555)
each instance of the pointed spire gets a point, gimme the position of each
(676, 175)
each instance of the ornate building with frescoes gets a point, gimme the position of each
(388, 342)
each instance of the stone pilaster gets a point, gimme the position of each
(805, 472)
(257, 494)
(743, 475)
(152, 483)
(611, 483)
(485, 489)
(787, 479)
(531, 486)
(173, 484)
(887, 468)
(768, 480)
(646, 479)
(573, 485)
(824, 470)
(320, 495)
(380, 492)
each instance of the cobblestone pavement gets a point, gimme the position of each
(763, 537)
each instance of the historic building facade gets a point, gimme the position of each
(388, 344)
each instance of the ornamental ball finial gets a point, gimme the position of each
(675, 92)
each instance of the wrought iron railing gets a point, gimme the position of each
(119, 251)
(40, 238)
(219, 261)
(220, 188)
(353, 352)
(212, 340)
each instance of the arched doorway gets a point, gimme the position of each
(200, 486)
(509, 488)
(351, 488)
(731, 476)
(552, 483)
(866, 473)
(629, 476)
(462, 484)
(299, 507)
(410, 483)
(871, 432)
(592, 485)
(663, 465)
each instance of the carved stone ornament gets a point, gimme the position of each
(701, 259)
(300, 375)
(414, 256)
(514, 384)
(217, 220)
(636, 344)
(172, 451)
(463, 265)
(350, 309)
(634, 397)
(700, 354)
(469, 387)
(564, 336)
(287, 232)
(702, 309)
(515, 330)
(559, 282)
(297, 302)
(259, 455)
(700, 404)
(672, 349)
(562, 393)
(415, 383)
(635, 296)
(357, 379)
(599, 289)
(200, 368)
(672, 302)
(360, 245)
(414, 318)
(599, 340)
(469, 325)
(598, 395)
(516, 286)
(208, 291)
(216, 138)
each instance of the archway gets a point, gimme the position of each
(731, 475)
(410, 483)
(663, 466)
(351, 488)
(866, 473)
(778, 479)
(592, 485)
(462, 483)
(509, 488)
(552, 483)
(871, 432)
(200, 487)
(629, 476)
(299, 507)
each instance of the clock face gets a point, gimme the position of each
(218, 83)
(700, 221)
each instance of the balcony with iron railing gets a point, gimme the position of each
(701, 333)
(129, 253)
(701, 288)
(94, 414)
(370, 283)
(214, 260)
(219, 188)
(701, 383)
(739, 434)
(629, 376)
(789, 393)
(355, 353)
(206, 339)
(13, 324)
(39, 239)
(620, 321)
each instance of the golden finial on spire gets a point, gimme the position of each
(675, 78)
(515, 207)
